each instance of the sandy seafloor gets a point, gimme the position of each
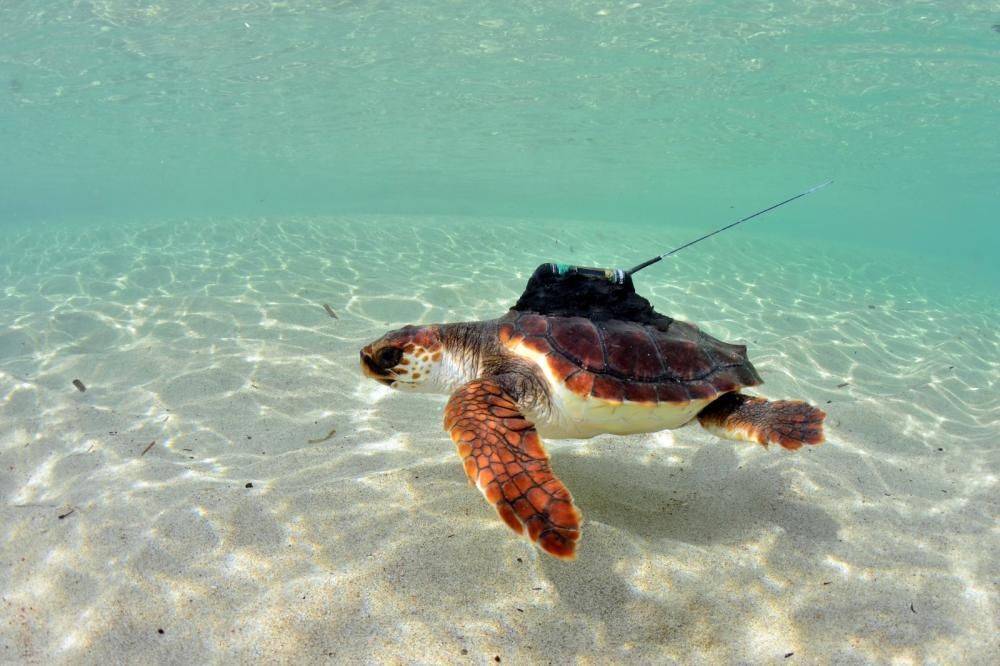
(210, 339)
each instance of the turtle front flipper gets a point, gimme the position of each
(503, 454)
(790, 423)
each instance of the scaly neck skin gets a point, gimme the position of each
(465, 345)
(473, 350)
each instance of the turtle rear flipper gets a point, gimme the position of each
(503, 454)
(790, 423)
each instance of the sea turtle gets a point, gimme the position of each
(577, 356)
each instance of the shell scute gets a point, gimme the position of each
(580, 341)
(608, 388)
(582, 383)
(533, 324)
(631, 352)
(687, 360)
(561, 366)
(672, 392)
(641, 392)
(505, 332)
(729, 354)
(725, 383)
(701, 390)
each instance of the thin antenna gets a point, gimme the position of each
(728, 226)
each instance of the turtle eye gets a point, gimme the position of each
(388, 357)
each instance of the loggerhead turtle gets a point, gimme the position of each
(580, 354)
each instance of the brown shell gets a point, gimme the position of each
(672, 361)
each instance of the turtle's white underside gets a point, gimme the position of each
(570, 416)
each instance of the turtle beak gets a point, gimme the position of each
(371, 369)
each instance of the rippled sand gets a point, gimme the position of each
(182, 509)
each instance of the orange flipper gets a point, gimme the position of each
(503, 454)
(790, 423)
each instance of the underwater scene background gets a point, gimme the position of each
(186, 189)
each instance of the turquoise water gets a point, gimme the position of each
(622, 112)
(185, 187)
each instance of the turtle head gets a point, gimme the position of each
(410, 358)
